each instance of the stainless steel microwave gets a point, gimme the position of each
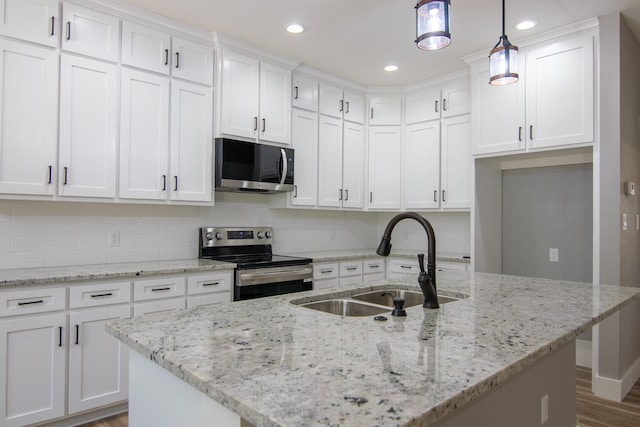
(248, 166)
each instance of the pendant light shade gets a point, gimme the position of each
(432, 24)
(503, 66)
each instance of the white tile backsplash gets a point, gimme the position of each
(40, 234)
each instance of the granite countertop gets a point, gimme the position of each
(327, 256)
(279, 364)
(64, 274)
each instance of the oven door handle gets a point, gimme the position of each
(249, 277)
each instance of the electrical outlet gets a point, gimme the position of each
(544, 409)
(554, 255)
(114, 238)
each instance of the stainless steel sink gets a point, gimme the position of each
(410, 298)
(346, 307)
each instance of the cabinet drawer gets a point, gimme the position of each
(325, 271)
(217, 298)
(404, 266)
(143, 308)
(326, 284)
(207, 283)
(99, 294)
(165, 287)
(32, 301)
(373, 266)
(350, 268)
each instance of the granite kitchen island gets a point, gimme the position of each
(506, 344)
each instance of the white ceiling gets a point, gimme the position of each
(354, 39)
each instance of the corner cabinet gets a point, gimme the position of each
(255, 98)
(551, 106)
(29, 95)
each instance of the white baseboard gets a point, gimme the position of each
(616, 390)
(583, 353)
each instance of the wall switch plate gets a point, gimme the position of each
(544, 409)
(554, 255)
(629, 188)
(114, 238)
(625, 223)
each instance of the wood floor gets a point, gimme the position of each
(592, 412)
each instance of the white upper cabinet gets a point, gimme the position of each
(255, 99)
(144, 136)
(456, 162)
(329, 162)
(305, 93)
(192, 61)
(191, 160)
(146, 48)
(342, 104)
(353, 165)
(384, 167)
(88, 127)
(154, 50)
(36, 21)
(449, 99)
(421, 166)
(385, 110)
(28, 118)
(89, 32)
(304, 140)
(546, 109)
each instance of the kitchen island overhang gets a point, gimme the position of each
(278, 364)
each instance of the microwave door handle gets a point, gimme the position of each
(284, 166)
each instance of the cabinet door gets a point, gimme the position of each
(456, 97)
(354, 106)
(239, 94)
(384, 167)
(191, 142)
(421, 165)
(329, 162)
(423, 106)
(145, 47)
(32, 369)
(560, 106)
(29, 80)
(88, 112)
(32, 20)
(498, 112)
(144, 135)
(90, 32)
(192, 61)
(275, 103)
(331, 102)
(305, 93)
(456, 162)
(98, 362)
(353, 161)
(304, 140)
(385, 110)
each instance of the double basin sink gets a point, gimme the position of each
(371, 303)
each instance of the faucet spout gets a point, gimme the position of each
(427, 279)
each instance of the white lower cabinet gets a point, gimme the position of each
(402, 266)
(347, 272)
(32, 369)
(98, 362)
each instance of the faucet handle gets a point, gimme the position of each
(421, 263)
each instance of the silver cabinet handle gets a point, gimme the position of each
(436, 106)
(177, 59)
(406, 267)
(340, 194)
(444, 104)
(295, 89)
(444, 199)
(341, 105)
(531, 132)
(347, 112)
(211, 284)
(64, 174)
(374, 266)
(68, 30)
(326, 271)
(255, 123)
(435, 195)
(166, 57)
(295, 190)
(175, 181)
(346, 195)
(264, 125)
(371, 197)
(53, 25)
(352, 268)
(519, 133)
(371, 113)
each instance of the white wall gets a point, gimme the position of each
(41, 234)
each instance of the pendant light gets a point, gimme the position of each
(503, 67)
(432, 24)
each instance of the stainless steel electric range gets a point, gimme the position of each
(259, 272)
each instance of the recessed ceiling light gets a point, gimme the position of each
(525, 25)
(391, 67)
(295, 28)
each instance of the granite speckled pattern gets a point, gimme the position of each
(328, 256)
(63, 274)
(279, 364)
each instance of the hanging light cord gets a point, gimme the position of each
(503, 38)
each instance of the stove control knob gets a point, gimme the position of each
(218, 235)
(260, 234)
(209, 235)
(267, 234)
